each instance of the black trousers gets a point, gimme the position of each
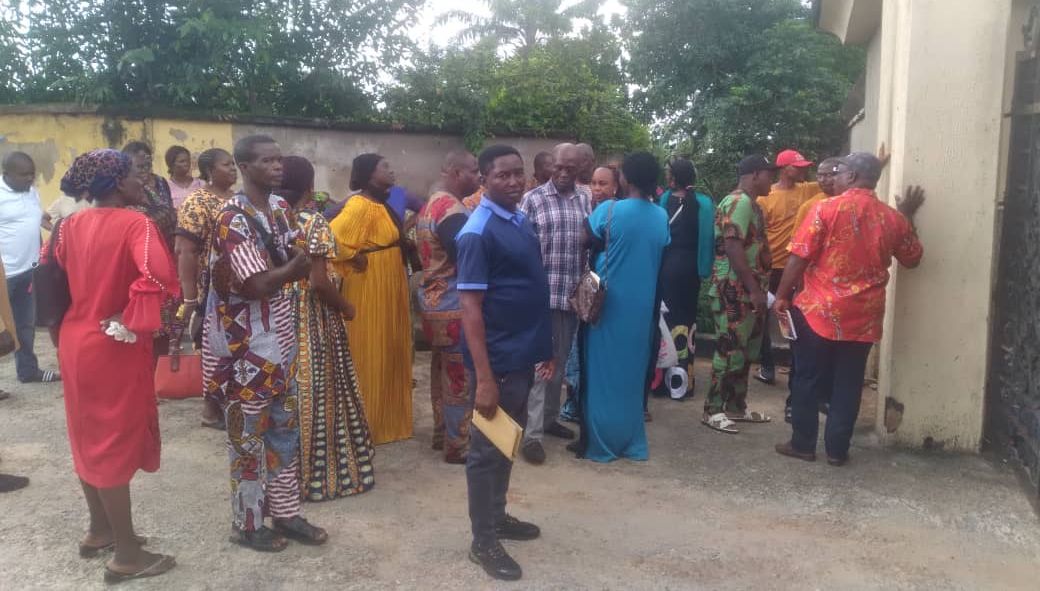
(23, 308)
(487, 470)
(825, 366)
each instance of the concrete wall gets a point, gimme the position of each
(415, 158)
(863, 135)
(936, 84)
(55, 135)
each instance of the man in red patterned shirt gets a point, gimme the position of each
(439, 222)
(842, 257)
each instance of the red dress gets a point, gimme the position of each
(117, 262)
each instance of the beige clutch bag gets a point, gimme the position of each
(502, 431)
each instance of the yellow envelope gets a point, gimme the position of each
(502, 431)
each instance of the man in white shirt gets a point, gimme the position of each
(20, 216)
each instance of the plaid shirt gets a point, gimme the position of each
(558, 221)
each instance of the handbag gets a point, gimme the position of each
(591, 291)
(51, 284)
(176, 375)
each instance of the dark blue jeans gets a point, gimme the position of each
(23, 307)
(487, 470)
(824, 366)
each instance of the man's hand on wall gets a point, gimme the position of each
(913, 201)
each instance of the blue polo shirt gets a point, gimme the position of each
(499, 254)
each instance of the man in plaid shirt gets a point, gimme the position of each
(557, 210)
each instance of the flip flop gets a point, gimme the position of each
(45, 377)
(721, 423)
(87, 551)
(751, 416)
(160, 566)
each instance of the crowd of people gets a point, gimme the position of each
(299, 304)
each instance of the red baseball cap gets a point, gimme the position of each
(791, 158)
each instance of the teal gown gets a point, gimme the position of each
(617, 348)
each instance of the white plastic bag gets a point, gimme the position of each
(666, 354)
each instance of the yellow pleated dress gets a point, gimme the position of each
(381, 333)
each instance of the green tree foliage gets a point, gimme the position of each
(563, 87)
(520, 24)
(724, 78)
(296, 57)
(12, 67)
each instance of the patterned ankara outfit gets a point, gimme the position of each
(559, 222)
(196, 221)
(249, 364)
(739, 330)
(335, 443)
(439, 222)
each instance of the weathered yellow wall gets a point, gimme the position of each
(197, 136)
(55, 140)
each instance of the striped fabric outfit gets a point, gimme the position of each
(249, 363)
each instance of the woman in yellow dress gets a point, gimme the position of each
(371, 260)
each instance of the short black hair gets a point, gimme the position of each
(541, 157)
(866, 166)
(136, 147)
(207, 160)
(362, 169)
(491, 153)
(615, 169)
(641, 170)
(297, 180)
(245, 148)
(171, 156)
(684, 173)
(13, 157)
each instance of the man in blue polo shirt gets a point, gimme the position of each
(504, 293)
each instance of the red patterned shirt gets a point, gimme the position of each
(849, 241)
(439, 273)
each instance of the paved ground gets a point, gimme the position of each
(708, 511)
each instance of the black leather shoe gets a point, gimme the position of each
(534, 453)
(10, 483)
(558, 430)
(495, 561)
(512, 528)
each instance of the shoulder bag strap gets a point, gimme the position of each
(265, 236)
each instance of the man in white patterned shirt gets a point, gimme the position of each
(557, 210)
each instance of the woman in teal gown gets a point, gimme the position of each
(618, 347)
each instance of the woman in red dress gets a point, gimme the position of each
(120, 270)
